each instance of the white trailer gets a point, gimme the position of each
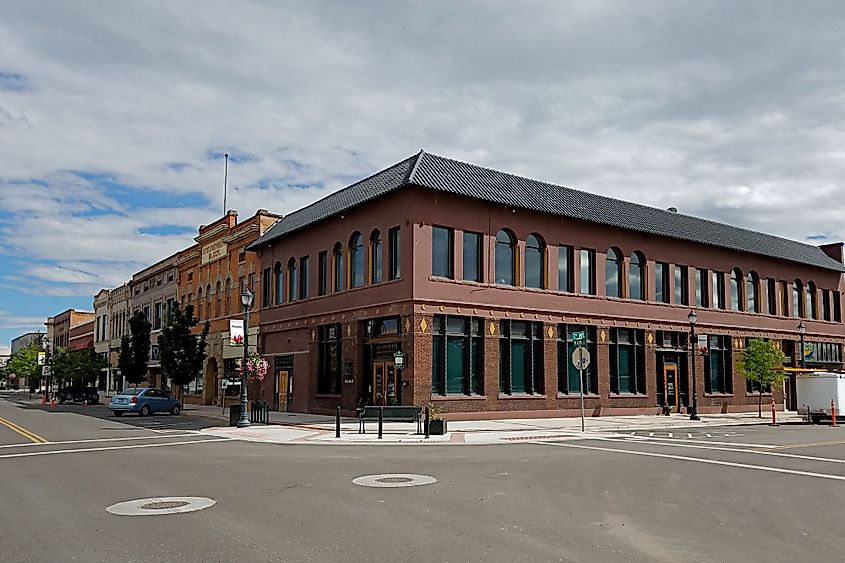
(815, 391)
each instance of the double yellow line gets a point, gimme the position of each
(22, 431)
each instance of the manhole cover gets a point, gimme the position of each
(394, 480)
(166, 505)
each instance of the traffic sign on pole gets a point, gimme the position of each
(581, 358)
(579, 337)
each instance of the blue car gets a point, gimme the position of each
(144, 401)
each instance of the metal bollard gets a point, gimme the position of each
(774, 415)
(380, 421)
(833, 412)
(425, 424)
(337, 423)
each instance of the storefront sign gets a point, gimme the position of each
(347, 372)
(212, 252)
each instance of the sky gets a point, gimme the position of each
(114, 116)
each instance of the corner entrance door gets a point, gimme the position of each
(283, 385)
(384, 383)
(670, 386)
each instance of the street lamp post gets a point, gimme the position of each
(693, 340)
(801, 330)
(246, 299)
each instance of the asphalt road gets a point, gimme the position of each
(744, 493)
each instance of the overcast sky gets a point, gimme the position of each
(114, 116)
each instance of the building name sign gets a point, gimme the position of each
(213, 251)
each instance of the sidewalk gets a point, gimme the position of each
(290, 428)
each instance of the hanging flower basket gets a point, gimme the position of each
(256, 367)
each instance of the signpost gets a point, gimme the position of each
(581, 360)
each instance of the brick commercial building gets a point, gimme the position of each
(81, 336)
(481, 278)
(58, 327)
(211, 277)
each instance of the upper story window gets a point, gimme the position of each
(228, 303)
(797, 298)
(752, 292)
(208, 311)
(442, 248)
(565, 258)
(303, 277)
(613, 273)
(701, 294)
(337, 267)
(718, 290)
(736, 289)
(681, 285)
(772, 296)
(394, 251)
(535, 262)
(356, 260)
(588, 271)
(811, 311)
(199, 303)
(661, 282)
(293, 280)
(278, 284)
(505, 258)
(472, 256)
(218, 299)
(375, 257)
(636, 277)
(322, 273)
(826, 304)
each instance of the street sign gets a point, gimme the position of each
(579, 336)
(398, 359)
(225, 383)
(41, 357)
(45, 370)
(581, 358)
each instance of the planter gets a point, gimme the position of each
(437, 427)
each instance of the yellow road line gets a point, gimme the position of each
(23, 431)
(836, 443)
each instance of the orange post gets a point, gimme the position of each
(774, 415)
(833, 412)
(53, 403)
(85, 403)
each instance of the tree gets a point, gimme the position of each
(182, 353)
(762, 363)
(135, 349)
(24, 362)
(77, 367)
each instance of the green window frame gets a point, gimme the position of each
(521, 358)
(627, 361)
(457, 366)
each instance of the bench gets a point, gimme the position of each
(391, 414)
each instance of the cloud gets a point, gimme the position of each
(8, 320)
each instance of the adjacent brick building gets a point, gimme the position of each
(481, 278)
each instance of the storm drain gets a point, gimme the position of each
(154, 506)
(393, 480)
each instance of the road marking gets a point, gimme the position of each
(708, 435)
(690, 435)
(707, 446)
(651, 434)
(658, 438)
(120, 439)
(103, 449)
(788, 446)
(22, 431)
(703, 460)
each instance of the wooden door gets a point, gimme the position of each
(671, 393)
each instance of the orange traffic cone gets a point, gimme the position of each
(53, 403)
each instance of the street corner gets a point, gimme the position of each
(273, 434)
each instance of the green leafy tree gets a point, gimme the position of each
(135, 349)
(77, 367)
(182, 353)
(24, 363)
(762, 363)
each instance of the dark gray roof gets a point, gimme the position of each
(435, 172)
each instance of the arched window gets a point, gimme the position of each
(636, 277)
(208, 301)
(356, 260)
(293, 281)
(199, 303)
(228, 305)
(736, 289)
(613, 273)
(278, 284)
(535, 262)
(218, 299)
(505, 258)
(752, 292)
(797, 298)
(375, 257)
(810, 310)
(337, 267)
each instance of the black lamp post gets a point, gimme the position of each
(801, 330)
(246, 299)
(693, 345)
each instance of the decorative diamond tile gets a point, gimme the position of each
(423, 325)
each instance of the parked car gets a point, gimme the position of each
(74, 393)
(144, 401)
